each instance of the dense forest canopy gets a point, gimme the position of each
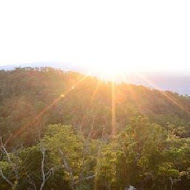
(56, 132)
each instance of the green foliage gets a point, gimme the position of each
(140, 155)
(53, 124)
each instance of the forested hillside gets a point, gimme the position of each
(57, 132)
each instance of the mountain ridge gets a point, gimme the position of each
(176, 82)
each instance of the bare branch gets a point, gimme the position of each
(86, 178)
(5, 178)
(31, 182)
(42, 169)
(66, 164)
(4, 150)
(92, 127)
(13, 165)
(68, 168)
(45, 176)
(49, 173)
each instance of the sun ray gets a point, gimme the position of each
(95, 92)
(113, 106)
(37, 117)
(90, 104)
(164, 93)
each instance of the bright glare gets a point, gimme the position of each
(110, 36)
(108, 71)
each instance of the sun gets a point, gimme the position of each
(117, 70)
(109, 71)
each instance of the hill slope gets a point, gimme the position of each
(64, 130)
(28, 95)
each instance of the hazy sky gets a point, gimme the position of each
(148, 35)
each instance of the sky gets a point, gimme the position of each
(137, 35)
